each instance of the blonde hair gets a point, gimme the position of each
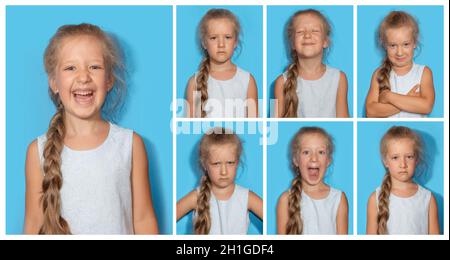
(395, 132)
(215, 136)
(394, 19)
(203, 72)
(295, 222)
(54, 223)
(290, 86)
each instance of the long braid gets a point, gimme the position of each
(295, 222)
(383, 205)
(202, 223)
(202, 84)
(384, 74)
(290, 88)
(54, 223)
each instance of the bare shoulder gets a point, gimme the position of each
(32, 158)
(284, 198)
(372, 199)
(138, 142)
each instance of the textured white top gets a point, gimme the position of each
(230, 217)
(226, 98)
(317, 98)
(319, 216)
(96, 191)
(403, 84)
(408, 216)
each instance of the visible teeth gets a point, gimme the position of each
(83, 92)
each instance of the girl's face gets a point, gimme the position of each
(222, 164)
(310, 38)
(400, 46)
(312, 158)
(400, 159)
(220, 40)
(80, 77)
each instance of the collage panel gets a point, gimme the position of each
(326, 40)
(408, 42)
(95, 203)
(219, 55)
(220, 168)
(406, 153)
(293, 146)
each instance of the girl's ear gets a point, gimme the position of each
(110, 83)
(294, 161)
(52, 84)
(326, 43)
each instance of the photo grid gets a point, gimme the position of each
(254, 120)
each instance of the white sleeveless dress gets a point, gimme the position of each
(403, 84)
(408, 216)
(226, 98)
(317, 98)
(96, 191)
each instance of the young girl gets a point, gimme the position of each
(220, 88)
(310, 206)
(400, 87)
(221, 206)
(400, 206)
(86, 175)
(309, 88)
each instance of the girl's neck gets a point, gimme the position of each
(403, 70)
(221, 66)
(223, 193)
(83, 127)
(318, 191)
(311, 69)
(402, 185)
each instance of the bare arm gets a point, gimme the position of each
(372, 225)
(255, 204)
(34, 217)
(433, 218)
(279, 97)
(341, 97)
(342, 216)
(144, 218)
(421, 104)
(282, 213)
(252, 97)
(186, 204)
(190, 96)
(373, 107)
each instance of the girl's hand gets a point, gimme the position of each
(384, 97)
(413, 92)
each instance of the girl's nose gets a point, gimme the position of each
(223, 170)
(307, 34)
(221, 42)
(313, 157)
(83, 76)
(399, 51)
(403, 163)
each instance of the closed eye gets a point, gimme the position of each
(69, 68)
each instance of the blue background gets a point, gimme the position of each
(248, 56)
(249, 175)
(340, 55)
(144, 34)
(339, 175)
(431, 30)
(371, 170)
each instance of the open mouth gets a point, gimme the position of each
(313, 173)
(85, 96)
